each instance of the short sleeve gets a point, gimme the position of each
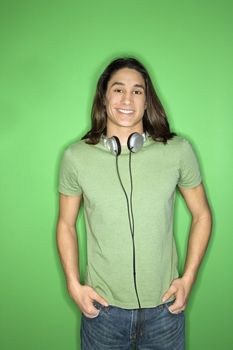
(190, 175)
(68, 175)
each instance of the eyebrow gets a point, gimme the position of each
(120, 83)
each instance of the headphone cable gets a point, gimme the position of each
(131, 223)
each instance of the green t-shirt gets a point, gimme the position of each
(157, 169)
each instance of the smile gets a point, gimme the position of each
(125, 111)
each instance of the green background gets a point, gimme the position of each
(52, 53)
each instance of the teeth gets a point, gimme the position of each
(126, 111)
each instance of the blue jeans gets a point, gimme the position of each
(115, 328)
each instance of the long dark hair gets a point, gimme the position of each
(154, 119)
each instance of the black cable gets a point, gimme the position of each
(131, 191)
(131, 224)
(127, 200)
(132, 218)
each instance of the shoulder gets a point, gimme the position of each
(179, 148)
(184, 151)
(178, 143)
(75, 154)
(79, 145)
(77, 149)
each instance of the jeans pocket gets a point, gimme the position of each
(167, 305)
(91, 317)
(99, 307)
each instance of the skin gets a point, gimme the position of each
(125, 91)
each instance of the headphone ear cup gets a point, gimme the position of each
(114, 145)
(135, 142)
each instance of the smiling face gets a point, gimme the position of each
(125, 101)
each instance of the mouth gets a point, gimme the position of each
(125, 111)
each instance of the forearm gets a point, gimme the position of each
(199, 235)
(68, 251)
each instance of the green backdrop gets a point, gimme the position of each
(52, 53)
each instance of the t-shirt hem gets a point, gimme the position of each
(68, 193)
(194, 184)
(147, 304)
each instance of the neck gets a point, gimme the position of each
(123, 133)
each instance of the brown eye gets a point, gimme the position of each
(118, 90)
(137, 92)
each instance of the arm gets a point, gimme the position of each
(68, 250)
(199, 235)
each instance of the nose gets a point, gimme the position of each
(127, 98)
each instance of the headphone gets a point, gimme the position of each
(134, 143)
